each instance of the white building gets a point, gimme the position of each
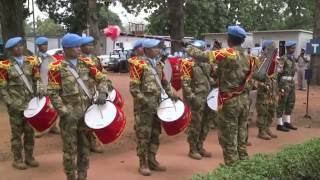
(255, 38)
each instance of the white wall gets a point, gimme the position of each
(53, 43)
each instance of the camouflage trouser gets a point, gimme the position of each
(92, 140)
(199, 127)
(233, 128)
(19, 129)
(265, 115)
(76, 148)
(287, 98)
(148, 129)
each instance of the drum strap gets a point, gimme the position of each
(158, 81)
(80, 82)
(24, 78)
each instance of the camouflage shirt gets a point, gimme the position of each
(142, 80)
(234, 67)
(287, 66)
(195, 78)
(12, 88)
(65, 93)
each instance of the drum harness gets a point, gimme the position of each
(24, 78)
(82, 86)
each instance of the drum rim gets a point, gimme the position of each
(42, 103)
(177, 118)
(114, 107)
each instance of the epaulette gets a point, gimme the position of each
(32, 60)
(55, 66)
(87, 61)
(138, 62)
(5, 64)
(186, 68)
(226, 53)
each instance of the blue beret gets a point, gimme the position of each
(266, 43)
(290, 43)
(199, 43)
(237, 31)
(71, 40)
(150, 43)
(41, 41)
(137, 43)
(87, 40)
(13, 42)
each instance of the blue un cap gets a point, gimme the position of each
(71, 40)
(87, 40)
(290, 43)
(199, 44)
(237, 31)
(137, 43)
(150, 43)
(13, 42)
(41, 41)
(266, 43)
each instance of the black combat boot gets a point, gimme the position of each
(282, 128)
(289, 126)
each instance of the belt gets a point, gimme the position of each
(287, 78)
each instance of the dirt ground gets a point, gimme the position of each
(119, 160)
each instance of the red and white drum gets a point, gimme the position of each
(107, 121)
(174, 116)
(40, 114)
(116, 98)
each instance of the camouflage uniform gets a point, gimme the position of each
(16, 96)
(266, 102)
(287, 94)
(91, 137)
(146, 95)
(196, 85)
(71, 103)
(234, 70)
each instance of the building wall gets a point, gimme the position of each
(222, 37)
(53, 43)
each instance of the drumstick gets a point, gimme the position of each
(101, 114)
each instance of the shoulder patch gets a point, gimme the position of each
(5, 64)
(32, 60)
(186, 68)
(55, 66)
(136, 68)
(87, 61)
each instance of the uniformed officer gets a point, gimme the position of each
(45, 59)
(87, 51)
(234, 71)
(287, 93)
(71, 100)
(266, 99)
(146, 95)
(16, 93)
(196, 85)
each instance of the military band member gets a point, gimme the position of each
(45, 59)
(16, 93)
(196, 85)
(234, 71)
(287, 93)
(266, 99)
(146, 95)
(87, 51)
(71, 101)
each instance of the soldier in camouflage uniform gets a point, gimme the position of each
(44, 60)
(196, 85)
(234, 71)
(86, 51)
(266, 99)
(71, 102)
(287, 94)
(16, 95)
(146, 94)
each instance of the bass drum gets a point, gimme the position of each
(40, 114)
(116, 98)
(174, 116)
(107, 121)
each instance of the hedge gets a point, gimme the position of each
(295, 162)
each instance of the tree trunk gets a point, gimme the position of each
(315, 59)
(176, 23)
(93, 25)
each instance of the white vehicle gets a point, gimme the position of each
(104, 59)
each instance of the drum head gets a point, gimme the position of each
(100, 116)
(112, 95)
(212, 99)
(34, 107)
(169, 111)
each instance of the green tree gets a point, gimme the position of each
(46, 27)
(107, 17)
